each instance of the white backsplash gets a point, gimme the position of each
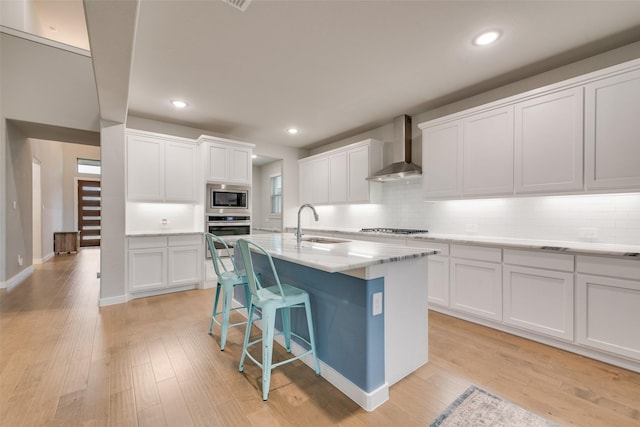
(612, 218)
(146, 218)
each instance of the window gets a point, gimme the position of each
(276, 195)
(89, 167)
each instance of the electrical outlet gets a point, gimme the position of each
(588, 233)
(377, 304)
(20, 260)
(164, 221)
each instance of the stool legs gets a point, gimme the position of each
(215, 306)
(286, 327)
(247, 334)
(226, 310)
(268, 329)
(312, 338)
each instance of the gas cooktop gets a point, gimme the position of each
(393, 230)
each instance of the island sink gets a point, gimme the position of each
(326, 240)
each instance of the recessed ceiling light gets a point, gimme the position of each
(487, 38)
(292, 131)
(178, 104)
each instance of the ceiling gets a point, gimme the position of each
(338, 68)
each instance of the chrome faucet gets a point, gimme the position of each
(315, 215)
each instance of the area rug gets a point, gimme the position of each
(476, 407)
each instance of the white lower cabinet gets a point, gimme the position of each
(538, 299)
(147, 269)
(159, 263)
(608, 311)
(476, 281)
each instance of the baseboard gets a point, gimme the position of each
(120, 299)
(44, 259)
(11, 284)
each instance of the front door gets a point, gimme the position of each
(89, 213)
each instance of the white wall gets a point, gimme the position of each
(49, 154)
(38, 84)
(112, 254)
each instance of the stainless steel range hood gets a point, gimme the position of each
(402, 167)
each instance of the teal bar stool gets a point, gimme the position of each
(227, 280)
(270, 299)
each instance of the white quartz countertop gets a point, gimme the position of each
(333, 257)
(581, 248)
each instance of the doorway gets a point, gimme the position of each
(89, 213)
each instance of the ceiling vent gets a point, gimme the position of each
(238, 4)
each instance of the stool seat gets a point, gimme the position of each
(280, 296)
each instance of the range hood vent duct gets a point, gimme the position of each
(402, 167)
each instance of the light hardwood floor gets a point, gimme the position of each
(150, 362)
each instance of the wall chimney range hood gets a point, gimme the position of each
(402, 167)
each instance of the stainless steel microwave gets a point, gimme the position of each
(228, 199)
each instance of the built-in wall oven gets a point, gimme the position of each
(227, 225)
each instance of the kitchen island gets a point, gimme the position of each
(369, 304)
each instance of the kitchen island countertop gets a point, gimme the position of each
(333, 257)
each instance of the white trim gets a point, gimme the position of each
(44, 259)
(162, 291)
(12, 283)
(120, 299)
(45, 41)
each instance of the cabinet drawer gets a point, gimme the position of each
(615, 267)
(185, 240)
(443, 248)
(145, 242)
(550, 261)
(480, 253)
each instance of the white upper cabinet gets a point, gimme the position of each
(574, 136)
(338, 186)
(548, 143)
(161, 168)
(442, 160)
(488, 153)
(339, 176)
(471, 156)
(360, 165)
(227, 161)
(180, 167)
(145, 168)
(612, 133)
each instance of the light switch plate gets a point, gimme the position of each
(377, 304)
